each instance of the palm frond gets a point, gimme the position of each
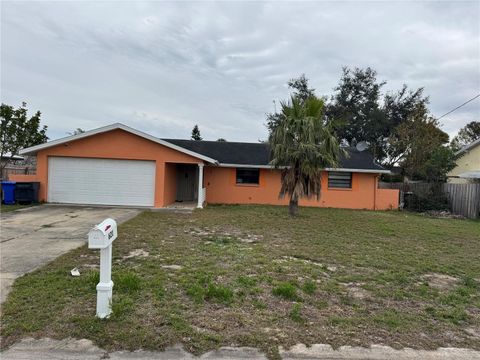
(303, 145)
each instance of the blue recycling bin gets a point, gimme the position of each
(8, 188)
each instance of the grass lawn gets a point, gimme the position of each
(252, 276)
(7, 208)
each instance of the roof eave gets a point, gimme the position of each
(468, 147)
(246, 166)
(370, 171)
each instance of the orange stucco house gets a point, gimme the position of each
(118, 165)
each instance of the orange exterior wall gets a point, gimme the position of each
(364, 194)
(22, 177)
(387, 199)
(117, 144)
(170, 189)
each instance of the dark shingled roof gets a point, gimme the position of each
(239, 153)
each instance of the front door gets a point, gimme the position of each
(186, 182)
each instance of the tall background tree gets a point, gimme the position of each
(359, 110)
(356, 102)
(365, 114)
(302, 145)
(421, 148)
(196, 133)
(398, 108)
(18, 131)
(466, 135)
(397, 125)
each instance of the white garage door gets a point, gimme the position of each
(101, 181)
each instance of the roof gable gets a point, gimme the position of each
(104, 129)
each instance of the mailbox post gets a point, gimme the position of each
(101, 237)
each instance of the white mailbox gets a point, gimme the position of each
(101, 237)
(102, 234)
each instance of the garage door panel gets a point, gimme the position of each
(101, 181)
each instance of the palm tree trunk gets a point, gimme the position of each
(293, 206)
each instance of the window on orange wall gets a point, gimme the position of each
(339, 180)
(248, 176)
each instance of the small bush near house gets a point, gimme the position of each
(432, 201)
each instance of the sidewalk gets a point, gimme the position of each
(68, 349)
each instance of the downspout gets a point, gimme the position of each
(375, 192)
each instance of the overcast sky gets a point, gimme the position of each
(163, 67)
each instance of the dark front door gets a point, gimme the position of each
(186, 181)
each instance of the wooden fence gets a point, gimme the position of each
(464, 199)
(16, 169)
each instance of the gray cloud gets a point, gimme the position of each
(163, 67)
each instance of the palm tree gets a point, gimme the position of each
(302, 145)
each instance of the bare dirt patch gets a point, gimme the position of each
(473, 332)
(228, 232)
(443, 215)
(137, 253)
(172, 267)
(287, 258)
(356, 291)
(441, 281)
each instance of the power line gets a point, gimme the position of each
(459, 106)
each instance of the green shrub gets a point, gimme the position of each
(388, 318)
(309, 287)
(121, 307)
(428, 202)
(295, 314)
(127, 282)
(259, 304)
(220, 240)
(219, 293)
(196, 292)
(322, 304)
(285, 290)
(469, 282)
(92, 277)
(204, 289)
(246, 281)
(159, 293)
(455, 315)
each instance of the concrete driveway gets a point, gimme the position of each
(35, 236)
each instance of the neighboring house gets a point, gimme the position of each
(468, 164)
(12, 164)
(118, 165)
(9, 158)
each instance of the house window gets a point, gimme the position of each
(341, 180)
(248, 176)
